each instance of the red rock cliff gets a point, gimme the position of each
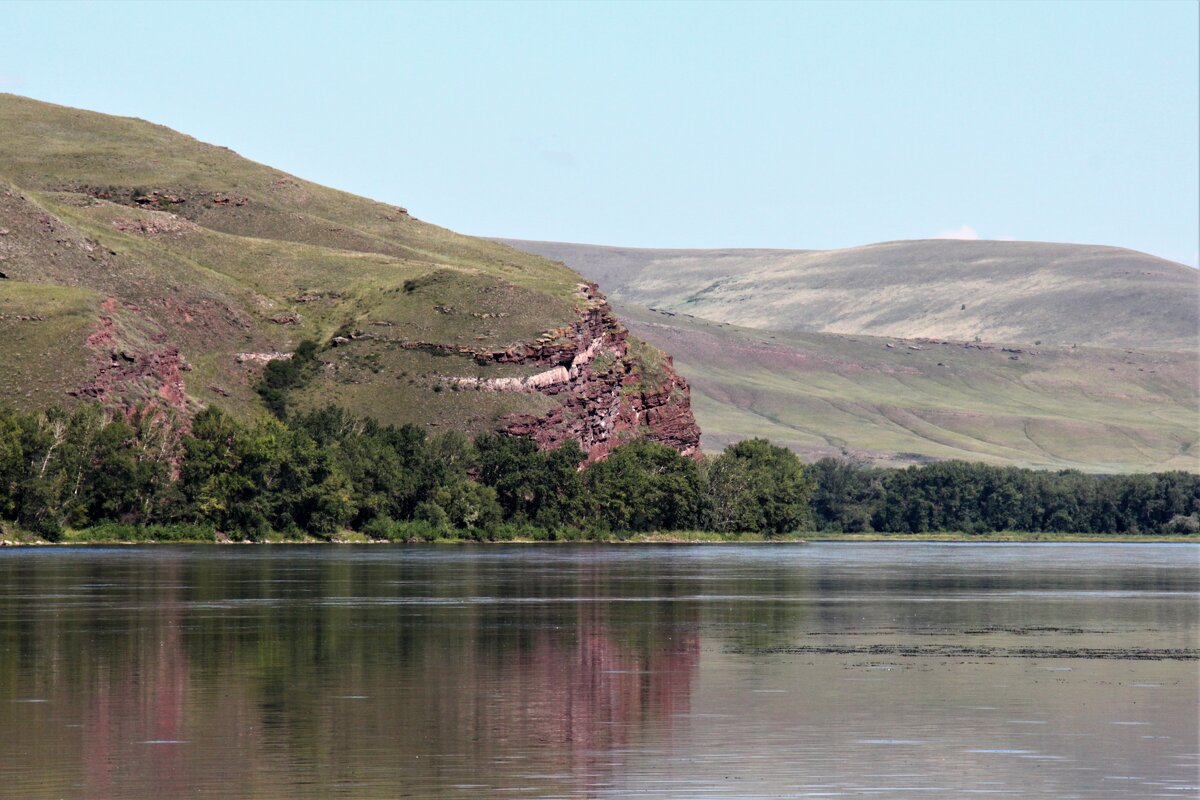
(612, 389)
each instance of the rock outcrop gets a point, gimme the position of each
(113, 288)
(128, 376)
(608, 393)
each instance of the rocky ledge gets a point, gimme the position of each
(608, 393)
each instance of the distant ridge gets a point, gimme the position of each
(1055, 356)
(999, 291)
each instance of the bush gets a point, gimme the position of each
(123, 532)
(510, 531)
(281, 376)
(386, 529)
(1185, 525)
(381, 529)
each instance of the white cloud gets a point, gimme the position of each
(961, 232)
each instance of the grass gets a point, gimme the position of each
(1000, 291)
(1003, 536)
(394, 385)
(49, 147)
(841, 353)
(283, 260)
(184, 534)
(1093, 409)
(43, 325)
(116, 533)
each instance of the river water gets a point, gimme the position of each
(818, 670)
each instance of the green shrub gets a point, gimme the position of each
(123, 532)
(1184, 524)
(381, 528)
(523, 531)
(386, 529)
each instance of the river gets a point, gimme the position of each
(600, 671)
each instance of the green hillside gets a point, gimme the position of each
(999, 291)
(837, 354)
(140, 264)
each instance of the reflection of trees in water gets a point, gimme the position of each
(260, 668)
(292, 674)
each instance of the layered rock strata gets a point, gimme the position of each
(607, 396)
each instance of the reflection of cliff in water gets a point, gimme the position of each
(133, 721)
(577, 672)
(224, 674)
(582, 698)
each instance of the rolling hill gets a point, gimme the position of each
(999, 291)
(1065, 356)
(139, 265)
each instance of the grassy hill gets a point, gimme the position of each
(999, 291)
(868, 353)
(139, 264)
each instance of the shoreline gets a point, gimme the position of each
(665, 537)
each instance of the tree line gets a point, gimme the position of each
(327, 471)
(978, 498)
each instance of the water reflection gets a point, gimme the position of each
(595, 672)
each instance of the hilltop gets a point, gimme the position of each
(139, 265)
(1021, 353)
(998, 291)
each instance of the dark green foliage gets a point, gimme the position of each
(645, 486)
(845, 495)
(282, 376)
(977, 498)
(386, 529)
(757, 486)
(12, 461)
(386, 466)
(532, 486)
(268, 477)
(129, 477)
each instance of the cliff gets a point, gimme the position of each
(140, 267)
(608, 392)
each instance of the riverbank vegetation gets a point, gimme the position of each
(89, 476)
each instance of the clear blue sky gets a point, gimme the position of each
(809, 125)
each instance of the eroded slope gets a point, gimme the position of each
(141, 265)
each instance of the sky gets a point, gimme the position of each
(795, 125)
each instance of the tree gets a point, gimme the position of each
(12, 461)
(531, 485)
(758, 486)
(215, 480)
(645, 486)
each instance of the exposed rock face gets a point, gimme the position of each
(607, 393)
(608, 397)
(262, 358)
(128, 376)
(607, 389)
(159, 224)
(159, 370)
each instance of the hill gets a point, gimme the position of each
(1097, 370)
(140, 265)
(997, 291)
